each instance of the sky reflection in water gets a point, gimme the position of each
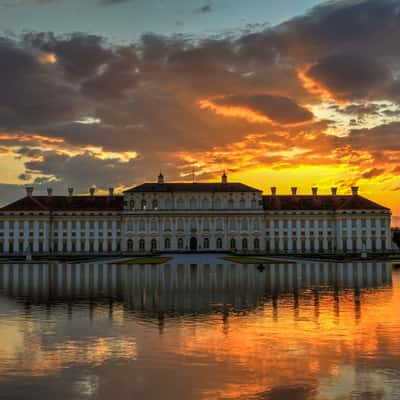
(301, 331)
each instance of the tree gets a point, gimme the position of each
(396, 236)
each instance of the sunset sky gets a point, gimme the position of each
(277, 93)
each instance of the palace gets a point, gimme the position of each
(197, 217)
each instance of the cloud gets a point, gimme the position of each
(277, 108)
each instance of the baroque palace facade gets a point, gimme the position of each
(201, 217)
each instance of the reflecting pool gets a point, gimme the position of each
(200, 331)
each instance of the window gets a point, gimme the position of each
(242, 203)
(205, 204)
(167, 243)
(153, 225)
(245, 224)
(206, 224)
(154, 204)
(142, 244)
(217, 203)
(141, 225)
(180, 224)
(180, 243)
(206, 243)
(244, 244)
(180, 203)
(256, 224)
(129, 225)
(256, 244)
(219, 243)
(253, 203)
(193, 224)
(233, 244)
(230, 203)
(132, 204)
(232, 224)
(153, 244)
(193, 203)
(168, 204)
(167, 224)
(143, 205)
(219, 223)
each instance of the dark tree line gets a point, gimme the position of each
(396, 236)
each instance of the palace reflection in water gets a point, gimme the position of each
(210, 331)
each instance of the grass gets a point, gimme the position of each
(395, 257)
(252, 260)
(145, 260)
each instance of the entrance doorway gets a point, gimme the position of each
(193, 244)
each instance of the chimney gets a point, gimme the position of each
(111, 191)
(273, 191)
(70, 191)
(29, 191)
(354, 190)
(160, 180)
(314, 191)
(224, 178)
(334, 191)
(92, 190)
(49, 192)
(294, 191)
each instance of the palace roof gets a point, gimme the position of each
(320, 202)
(192, 187)
(66, 203)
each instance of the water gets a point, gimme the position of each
(200, 331)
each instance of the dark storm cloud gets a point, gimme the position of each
(277, 108)
(352, 76)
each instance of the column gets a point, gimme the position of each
(359, 234)
(325, 235)
(78, 236)
(307, 235)
(96, 236)
(69, 236)
(16, 237)
(114, 235)
(316, 235)
(339, 239)
(46, 236)
(289, 236)
(368, 234)
(87, 236)
(349, 234)
(298, 236)
(281, 235)
(36, 236)
(60, 236)
(378, 234)
(25, 246)
(6, 246)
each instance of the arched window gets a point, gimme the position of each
(205, 204)
(153, 244)
(242, 203)
(193, 203)
(167, 243)
(257, 244)
(180, 243)
(132, 204)
(142, 244)
(244, 244)
(142, 225)
(143, 205)
(206, 243)
(129, 225)
(219, 243)
(129, 244)
(180, 203)
(153, 225)
(154, 204)
(233, 244)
